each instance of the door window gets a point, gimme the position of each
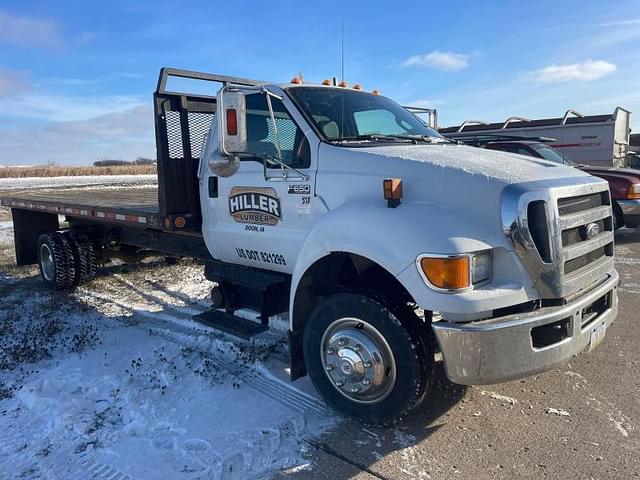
(261, 136)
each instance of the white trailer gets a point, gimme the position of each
(601, 140)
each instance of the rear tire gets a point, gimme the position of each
(83, 254)
(56, 261)
(368, 361)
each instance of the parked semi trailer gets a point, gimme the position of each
(598, 140)
(384, 242)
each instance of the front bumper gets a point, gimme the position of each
(630, 212)
(515, 346)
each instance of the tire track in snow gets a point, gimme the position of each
(171, 331)
(18, 461)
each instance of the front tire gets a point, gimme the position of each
(618, 218)
(368, 361)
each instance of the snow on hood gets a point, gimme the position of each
(502, 166)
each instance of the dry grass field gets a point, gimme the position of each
(58, 171)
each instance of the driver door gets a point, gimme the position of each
(259, 218)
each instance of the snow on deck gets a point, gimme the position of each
(80, 181)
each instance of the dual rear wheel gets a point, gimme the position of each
(65, 259)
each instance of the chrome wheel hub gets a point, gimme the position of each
(358, 360)
(46, 262)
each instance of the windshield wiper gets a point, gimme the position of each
(390, 137)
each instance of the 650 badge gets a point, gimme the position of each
(257, 205)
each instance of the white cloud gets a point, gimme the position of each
(11, 83)
(448, 61)
(58, 108)
(24, 31)
(620, 23)
(575, 72)
(126, 134)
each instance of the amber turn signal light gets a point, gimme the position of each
(392, 189)
(447, 273)
(634, 192)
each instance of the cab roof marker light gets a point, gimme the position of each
(326, 82)
(375, 91)
(296, 80)
(343, 84)
(357, 86)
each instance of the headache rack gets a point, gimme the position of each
(182, 121)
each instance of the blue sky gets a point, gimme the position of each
(76, 77)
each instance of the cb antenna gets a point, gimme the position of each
(342, 50)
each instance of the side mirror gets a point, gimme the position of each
(232, 131)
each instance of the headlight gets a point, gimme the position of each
(634, 192)
(455, 273)
(481, 267)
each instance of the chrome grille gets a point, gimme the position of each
(567, 255)
(584, 260)
(580, 203)
(578, 213)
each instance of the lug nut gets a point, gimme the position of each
(358, 347)
(330, 351)
(355, 389)
(329, 368)
(339, 383)
(367, 364)
(342, 342)
(366, 382)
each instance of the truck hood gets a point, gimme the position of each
(629, 175)
(501, 167)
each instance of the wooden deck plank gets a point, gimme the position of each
(141, 200)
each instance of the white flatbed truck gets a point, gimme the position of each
(383, 241)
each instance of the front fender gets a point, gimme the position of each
(393, 238)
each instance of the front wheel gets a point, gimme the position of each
(366, 360)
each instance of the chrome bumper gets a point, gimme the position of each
(630, 212)
(497, 350)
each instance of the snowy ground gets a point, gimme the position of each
(43, 182)
(116, 379)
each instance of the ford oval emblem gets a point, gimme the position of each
(592, 230)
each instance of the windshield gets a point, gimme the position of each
(345, 116)
(550, 153)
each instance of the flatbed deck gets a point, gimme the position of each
(134, 206)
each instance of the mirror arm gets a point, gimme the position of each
(283, 167)
(273, 119)
(222, 121)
